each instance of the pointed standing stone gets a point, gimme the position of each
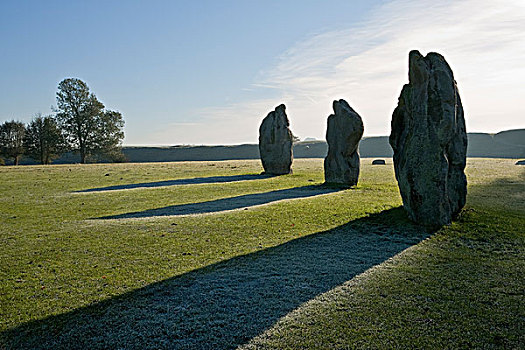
(344, 131)
(430, 142)
(275, 143)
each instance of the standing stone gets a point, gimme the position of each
(344, 131)
(275, 143)
(430, 142)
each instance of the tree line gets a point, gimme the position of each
(80, 123)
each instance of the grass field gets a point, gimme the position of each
(210, 255)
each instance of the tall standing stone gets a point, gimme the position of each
(275, 143)
(430, 142)
(344, 131)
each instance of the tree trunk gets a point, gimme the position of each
(82, 151)
(41, 150)
(16, 160)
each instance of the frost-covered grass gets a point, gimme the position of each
(463, 287)
(70, 278)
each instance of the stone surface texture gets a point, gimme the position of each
(275, 143)
(344, 131)
(430, 142)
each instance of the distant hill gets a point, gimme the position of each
(505, 144)
(511, 137)
(500, 145)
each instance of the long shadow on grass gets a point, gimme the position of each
(179, 182)
(224, 204)
(228, 303)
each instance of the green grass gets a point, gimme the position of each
(462, 286)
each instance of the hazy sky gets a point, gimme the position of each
(207, 72)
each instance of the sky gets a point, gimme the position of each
(208, 72)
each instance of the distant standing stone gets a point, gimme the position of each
(378, 162)
(275, 143)
(520, 162)
(344, 131)
(430, 142)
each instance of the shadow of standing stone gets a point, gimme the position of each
(230, 203)
(275, 143)
(226, 304)
(430, 142)
(344, 131)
